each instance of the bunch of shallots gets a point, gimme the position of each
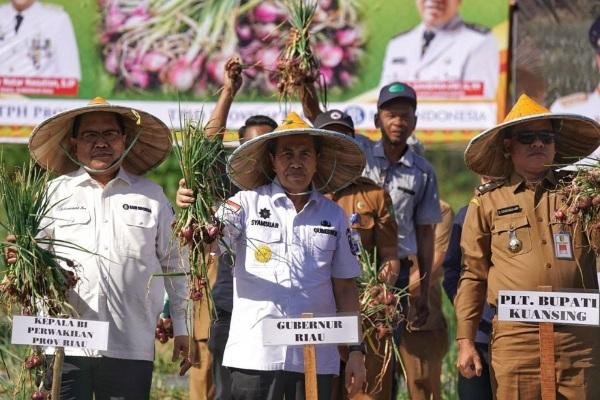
(582, 203)
(182, 45)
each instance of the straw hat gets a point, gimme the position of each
(152, 147)
(340, 162)
(575, 136)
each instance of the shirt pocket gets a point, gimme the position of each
(73, 226)
(138, 236)
(323, 247)
(263, 249)
(501, 235)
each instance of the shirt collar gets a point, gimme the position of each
(516, 182)
(277, 191)
(408, 158)
(28, 11)
(81, 176)
(450, 25)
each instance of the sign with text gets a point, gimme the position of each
(64, 332)
(555, 307)
(145, 51)
(320, 330)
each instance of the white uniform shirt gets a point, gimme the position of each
(284, 265)
(458, 52)
(44, 45)
(412, 186)
(586, 104)
(127, 225)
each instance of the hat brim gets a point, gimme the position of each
(151, 148)
(578, 137)
(340, 162)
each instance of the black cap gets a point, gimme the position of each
(594, 34)
(333, 117)
(397, 91)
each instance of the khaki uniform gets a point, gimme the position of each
(377, 228)
(201, 383)
(423, 349)
(490, 266)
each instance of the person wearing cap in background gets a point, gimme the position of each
(37, 40)
(368, 208)
(293, 255)
(443, 48)
(508, 243)
(587, 104)
(123, 221)
(412, 185)
(208, 377)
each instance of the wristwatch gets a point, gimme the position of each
(358, 347)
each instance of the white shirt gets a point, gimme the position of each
(458, 52)
(126, 229)
(284, 265)
(586, 104)
(44, 45)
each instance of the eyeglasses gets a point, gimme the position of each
(530, 137)
(94, 136)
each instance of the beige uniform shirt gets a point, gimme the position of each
(488, 264)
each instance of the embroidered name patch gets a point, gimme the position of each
(508, 210)
(268, 224)
(331, 232)
(133, 207)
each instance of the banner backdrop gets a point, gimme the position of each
(557, 58)
(167, 57)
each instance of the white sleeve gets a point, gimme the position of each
(173, 258)
(387, 74)
(67, 57)
(483, 64)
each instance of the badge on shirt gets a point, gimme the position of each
(263, 254)
(562, 246)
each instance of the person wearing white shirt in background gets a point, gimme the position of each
(443, 48)
(123, 221)
(37, 40)
(587, 104)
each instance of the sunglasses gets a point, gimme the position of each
(530, 137)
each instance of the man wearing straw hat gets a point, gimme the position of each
(123, 221)
(508, 242)
(293, 255)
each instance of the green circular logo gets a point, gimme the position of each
(396, 88)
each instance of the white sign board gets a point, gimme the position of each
(555, 307)
(320, 330)
(63, 332)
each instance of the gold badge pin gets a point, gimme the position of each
(263, 253)
(360, 205)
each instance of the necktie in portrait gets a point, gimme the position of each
(19, 20)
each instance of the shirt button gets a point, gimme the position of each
(548, 265)
(540, 219)
(543, 241)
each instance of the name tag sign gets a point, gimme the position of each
(63, 332)
(319, 330)
(554, 307)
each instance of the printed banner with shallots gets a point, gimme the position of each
(163, 56)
